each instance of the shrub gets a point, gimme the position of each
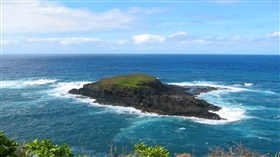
(118, 152)
(7, 146)
(237, 150)
(142, 150)
(183, 155)
(46, 148)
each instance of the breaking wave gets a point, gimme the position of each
(26, 83)
(248, 84)
(231, 112)
(210, 84)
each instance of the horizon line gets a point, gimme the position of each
(136, 54)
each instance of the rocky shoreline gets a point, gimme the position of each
(148, 94)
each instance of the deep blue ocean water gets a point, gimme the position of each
(35, 103)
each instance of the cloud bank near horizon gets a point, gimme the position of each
(52, 27)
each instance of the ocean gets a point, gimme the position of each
(35, 102)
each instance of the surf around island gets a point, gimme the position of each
(149, 94)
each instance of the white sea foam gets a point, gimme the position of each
(231, 112)
(10, 84)
(223, 88)
(26, 83)
(265, 92)
(237, 85)
(39, 82)
(263, 138)
(114, 109)
(248, 84)
(182, 128)
(61, 89)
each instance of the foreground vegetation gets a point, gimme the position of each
(45, 148)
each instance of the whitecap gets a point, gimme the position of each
(230, 115)
(26, 83)
(265, 92)
(256, 107)
(263, 138)
(248, 84)
(182, 128)
(127, 110)
(113, 108)
(10, 84)
(229, 111)
(39, 82)
(61, 89)
(224, 89)
(210, 84)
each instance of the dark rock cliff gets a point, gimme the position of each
(148, 94)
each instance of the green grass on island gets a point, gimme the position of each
(127, 81)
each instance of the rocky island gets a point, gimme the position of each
(148, 94)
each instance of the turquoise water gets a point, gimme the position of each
(35, 103)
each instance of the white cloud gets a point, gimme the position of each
(147, 38)
(273, 34)
(65, 41)
(180, 33)
(144, 41)
(195, 42)
(236, 38)
(39, 16)
(6, 42)
(121, 42)
(146, 10)
(226, 1)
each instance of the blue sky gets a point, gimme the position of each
(157, 27)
